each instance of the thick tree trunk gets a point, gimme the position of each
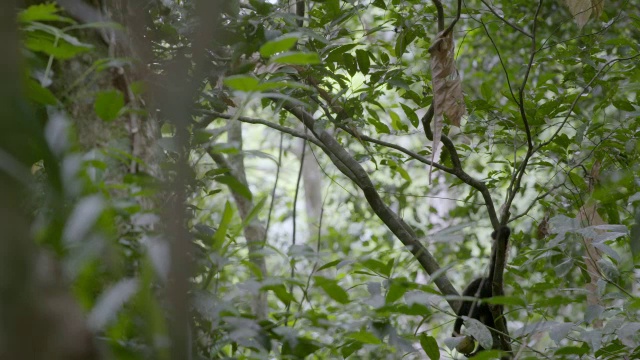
(39, 319)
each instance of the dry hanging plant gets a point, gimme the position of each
(581, 10)
(447, 89)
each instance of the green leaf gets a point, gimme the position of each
(281, 293)
(39, 94)
(430, 346)
(254, 212)
(572, 350)
(365, 337)
(108, 104)
(332, 7)
(362, 57)
(235, 185)
(624, 105)
(396, 122)
(413, 118)
(280, 44)
(329, 265)
(42, 12)
(249, 83)
(487, 90)
(380, 4)
(350, 64)
(218, 237)
(336, 53)
(297, 58)
(262, 7)
(242, 82)
(479, 331)
(201, 136)
(216, 172)
(332, 289)
(54, 42)
(381, 128)
(377, 267)
(405, 38)
(396, 290)
(303, 347)
(349, 348)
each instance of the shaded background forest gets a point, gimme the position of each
(317, 179)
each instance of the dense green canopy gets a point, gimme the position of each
(256, 179)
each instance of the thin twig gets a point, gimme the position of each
(344, 161)
(512, 25)
(535, 201)
(584, 90)
(454, 21)
(273, 192)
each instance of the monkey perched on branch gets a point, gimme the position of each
(482, 288)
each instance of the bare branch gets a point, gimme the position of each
(502, 64)
(458, 171)
(283, 129)
(440, 11)
(512, 25)
(514, 186)
(412, 154)
(248, 120)
(454, 21)
(342, 159)
(535, 201)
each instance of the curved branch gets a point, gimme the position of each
(342, 159)
(454, 21)
(516, 180)
(412, 154)
(283, 129)
(535, 201)
(512, 25)
(458, 171)
(440, 11)
(249, 120)
(502, 64)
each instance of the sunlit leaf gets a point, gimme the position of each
(223, 226)
(364, 337)
(235, 185)
(281, 44)
(332, 289)
(42, 12)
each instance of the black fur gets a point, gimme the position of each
(481, 288)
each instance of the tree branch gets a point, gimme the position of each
(342, 159)
(249, 120)
(454, 21)
(458, 171)
(440, 11)
(512, 25)
(534, 201)
(283, 129)
(514, 186)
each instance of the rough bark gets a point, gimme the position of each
(39, 319)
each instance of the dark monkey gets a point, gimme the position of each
(481, 288)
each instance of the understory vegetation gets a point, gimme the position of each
(286, 179)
